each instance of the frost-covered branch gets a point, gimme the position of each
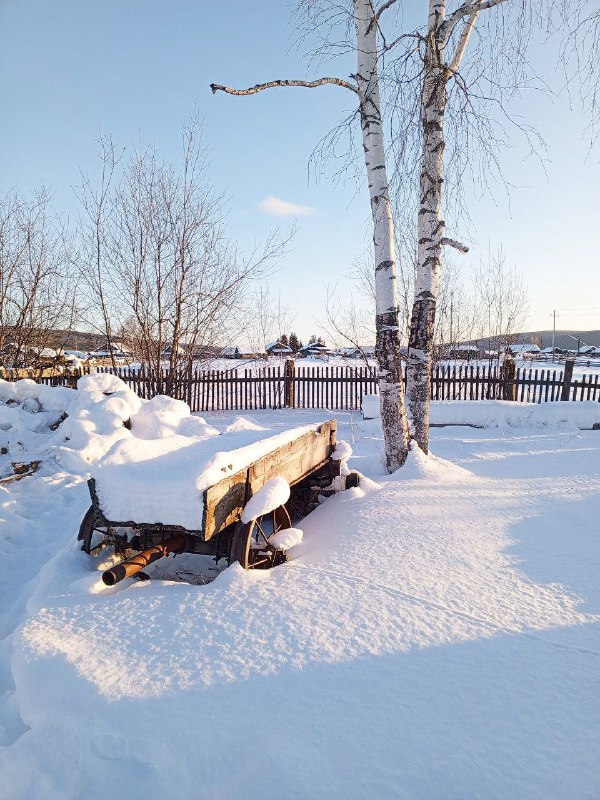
(216, 87)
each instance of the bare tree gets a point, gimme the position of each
(165, 273)
(366, 21)
(37, 289)
(266, 317)
(95, 254)
(501, 300)
(578, 24)
(350, 325)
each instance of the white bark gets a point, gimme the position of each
(430, 228)
(391, 388)
(438, 69)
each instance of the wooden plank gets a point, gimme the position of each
(225, 500)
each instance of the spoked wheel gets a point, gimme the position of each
(250, 543)
(94, 536)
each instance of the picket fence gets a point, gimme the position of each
(335, 387)
(342, 388)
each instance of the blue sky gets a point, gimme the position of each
(137, 69)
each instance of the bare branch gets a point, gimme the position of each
(377, 15)
(384, 7)
(465, 10)
(275, 84)
(463, 41)
(456, 245)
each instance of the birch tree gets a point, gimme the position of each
(365, 19)
(443, 48)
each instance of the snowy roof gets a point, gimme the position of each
(44, 352)
(277, 347)
(314, 346)
(524, 347)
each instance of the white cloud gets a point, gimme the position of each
(281, 208)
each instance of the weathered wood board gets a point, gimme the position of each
(225, 500)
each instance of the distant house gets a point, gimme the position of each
(108, 350)
(278, 349)
(237, 352)
(314, 349)
(591, 352)
(231, 352)
(462, 352)
(348, 352)
(364, 352)
(44, 353)
(523, 349)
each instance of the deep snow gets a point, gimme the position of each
(435, 634)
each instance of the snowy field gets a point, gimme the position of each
(435, 636)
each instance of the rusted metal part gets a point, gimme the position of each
(21, 470)
(250, 543)
(128, 568)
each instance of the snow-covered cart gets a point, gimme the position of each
(245, 516)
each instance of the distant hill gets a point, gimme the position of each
(564, 339)
(76, 340)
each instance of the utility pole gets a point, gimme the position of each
(553, 331)
(451, 329)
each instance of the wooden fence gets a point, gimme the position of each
(342, 388)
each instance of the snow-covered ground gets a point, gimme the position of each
(436, 634)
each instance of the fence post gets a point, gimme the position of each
(289, 386)
(509, 371)
(565, 391)
(189, 385)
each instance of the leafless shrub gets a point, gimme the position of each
(37, 289)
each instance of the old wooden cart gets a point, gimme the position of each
(305, 463)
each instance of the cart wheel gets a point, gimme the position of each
(90, 535)
(250, 543)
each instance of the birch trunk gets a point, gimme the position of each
(430, 227)
(391, 388)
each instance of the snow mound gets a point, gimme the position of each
(273, 494)
(243, 424)
(420, 465)
(506, 414)
(159, 417)
(342, 451)
(371, 408)
(196, 427)
(286, 539)
(103, 382)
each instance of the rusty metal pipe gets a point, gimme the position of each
(174, 544)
